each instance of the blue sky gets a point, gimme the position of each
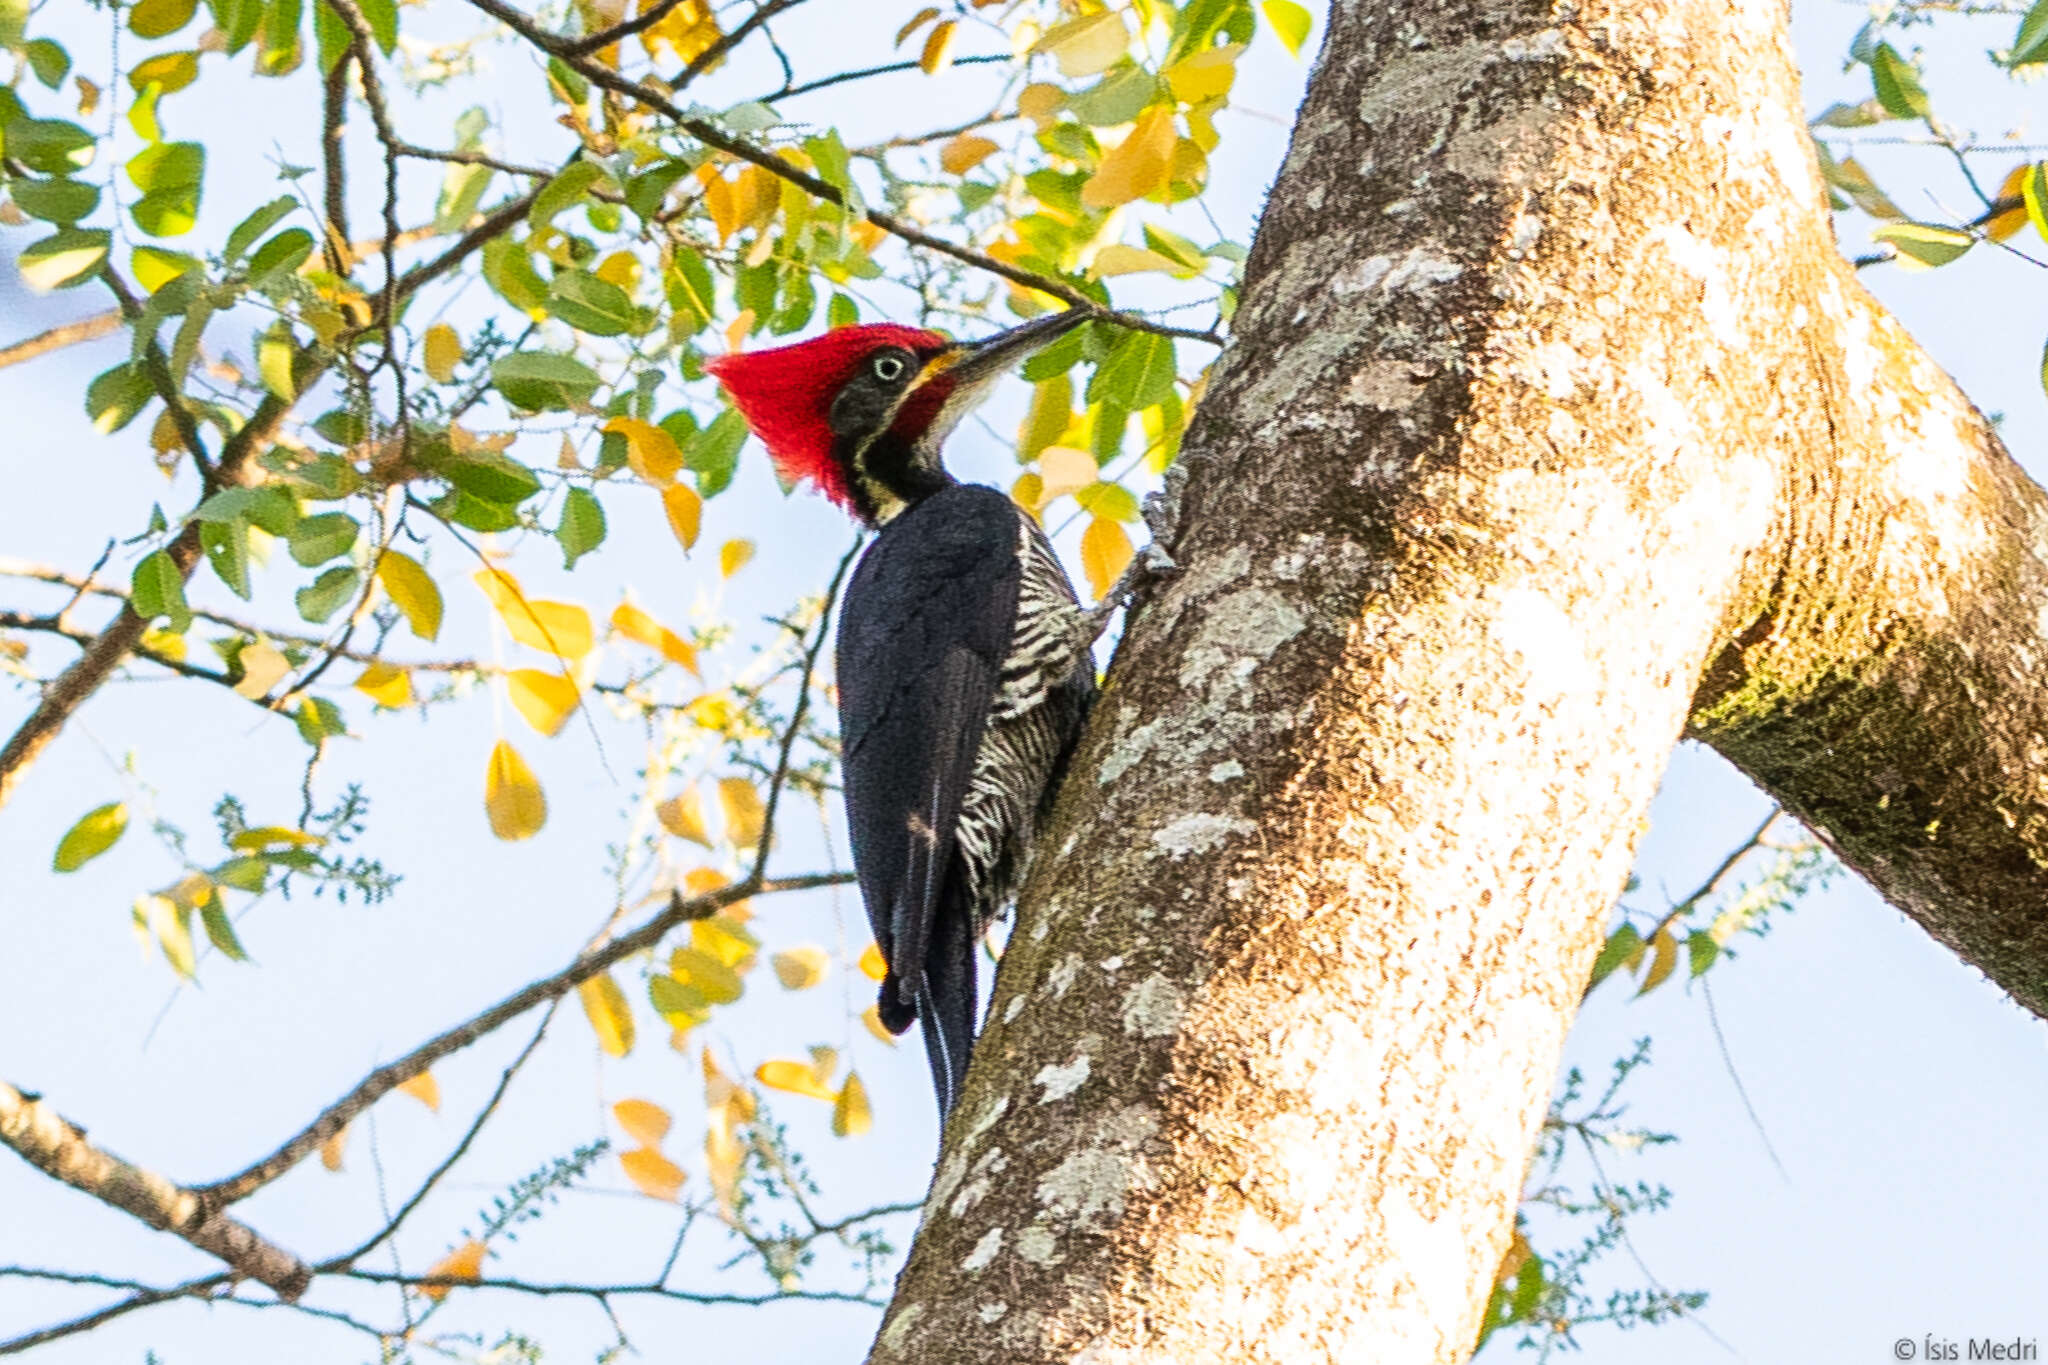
(1902, 1093)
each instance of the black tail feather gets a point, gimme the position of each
(946, 996)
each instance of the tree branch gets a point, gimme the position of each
(712, 136)
(788, 91)
(59, 1150)
(57, 338)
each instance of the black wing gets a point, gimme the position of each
(922, 638)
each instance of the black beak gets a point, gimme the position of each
(991, 356)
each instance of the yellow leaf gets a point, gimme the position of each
(1065, 470)
(413, 591)
(722, 205)
(744, 813)
(1052, 403)
(1190, 165)
(1087, 46)
(734, 555)
(1041, 103)
(466, 1262)
(425, 1089)
(683, 816)
(386, 684)
(88, 96)
(795, 1078)
(686, 32)
(938, 48)
(440, 352)
(717, 982)
(917, 21)
(547, 700)
(799, 969)
(757, 195)
(651, 452)
(512, 796)
(621, 268)
(1663, 957)
(873, 965)
(851, 1115)
(644, 1121)
(685, 512)
(610, 1016)
(964, 153)
(1029, 491)
(654, 1174)
(1105, 554)
(1205, 75)
(736, 331)
(637, 626)
(726, 940)
(872, 1017)
(824, 1061)
(2003, 225)
(274, 836)
(93, 834)
(331, 1150)
(1119, 259)
(263, 667)
(559, 628)
(1139, 165)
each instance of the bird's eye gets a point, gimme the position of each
(889, 368)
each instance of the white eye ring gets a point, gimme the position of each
(889, 368)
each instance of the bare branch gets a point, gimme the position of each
(602, 1291)
(788, 92)
(58, 1148)
(333, 123)
(604, 38)
(144, 1298)
(390, 1076)
(58, 337)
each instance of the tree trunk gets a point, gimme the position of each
(1553, 420)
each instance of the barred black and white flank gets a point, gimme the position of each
(963, 664)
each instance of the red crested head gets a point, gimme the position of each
(786, 394)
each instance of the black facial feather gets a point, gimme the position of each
(864, 403)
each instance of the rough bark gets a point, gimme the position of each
(58, 1148)
(1533, 423)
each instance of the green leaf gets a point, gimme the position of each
(383, 18)
(317, 539)
(167, 165)
(256, 224)
(568, 186)
(1119, 97)
(13, 20)
(1621, 945)
(220, 930)
(842, 311)
(50, 145)
(714, 453)
(274, 351)
(328, 593)
(581, 529)
(1175, 248)
(1701, 950)
(96, 831)
(317, 718)
(63, 259)
(1924, 244)
(468, 510)
(2029, 44)
(160, 18)
(645, 194)
(49, 61)
(227, 552)
(540, 381)
(116, 397)
(1109, 501)
(278, 54)
(508, 269)
(1897, 84)
(488, 475)
(268, 505)
(1059, 357)
(281, 255)
(1138, 372)
(168, 72)
(142, 114)
(167, 213)
(462, 190)
(592, 305)
(2034, 190)
(157, 589)
(1291, 23)
(692, 296)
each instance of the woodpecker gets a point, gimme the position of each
(963, 653)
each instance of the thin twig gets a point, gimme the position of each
(790, 92)
(86, 1322)
(390, 1076)
(64, 334)
(600, 1291)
